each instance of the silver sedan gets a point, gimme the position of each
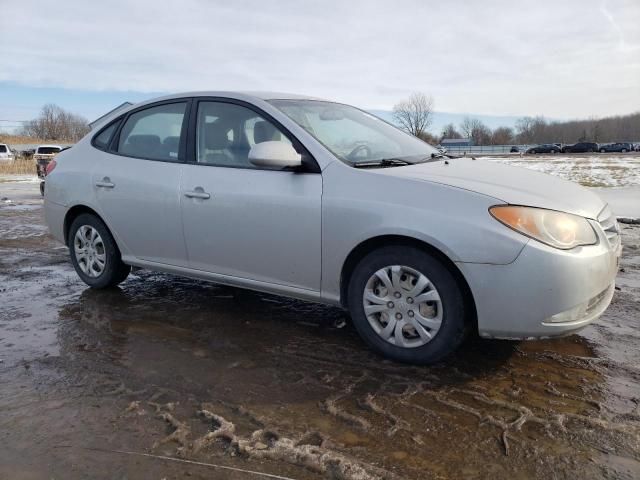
(324, 202)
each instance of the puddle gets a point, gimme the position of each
(171, 366)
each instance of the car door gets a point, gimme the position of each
(137, 183)
(242, 221)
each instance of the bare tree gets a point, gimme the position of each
(502, 136)
(476, 130)
(414, 114)
(55, 123)
(524, 129)
(449, 131)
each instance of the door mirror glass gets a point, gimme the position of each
(274, 154)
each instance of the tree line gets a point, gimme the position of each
(415, 115)
(55, 123)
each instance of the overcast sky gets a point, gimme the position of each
(563, 59)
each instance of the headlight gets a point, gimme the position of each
(557, 229)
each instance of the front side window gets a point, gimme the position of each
(225, 133)
(153, 133)
(3, 149)
(352, 135)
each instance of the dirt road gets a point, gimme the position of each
(178, 368)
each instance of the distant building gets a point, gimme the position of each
(110, 112)
(456, 142)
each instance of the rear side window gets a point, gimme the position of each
(153, 133)
(3, 149)
(104, 137)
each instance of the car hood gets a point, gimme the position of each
(508, 184)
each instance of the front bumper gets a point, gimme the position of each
(545, 292)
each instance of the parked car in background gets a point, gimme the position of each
(514, 149)
(580, 147)
(321, 201)
(6, 154)
(544, 148)
(616, 147)
(43, 155)
(441, 149)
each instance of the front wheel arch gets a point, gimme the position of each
(368, 246)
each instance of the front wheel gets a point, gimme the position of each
(407, 305)
(94, 253)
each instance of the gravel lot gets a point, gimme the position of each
(170, 367)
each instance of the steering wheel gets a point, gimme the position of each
(363, 147)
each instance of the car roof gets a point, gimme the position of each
(250, 96)
(242, 95)
(49, 146)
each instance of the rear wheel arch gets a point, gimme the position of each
(76, 211)
(372, 244)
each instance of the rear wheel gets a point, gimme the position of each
(94, 253)
(624, 150)
(407, 305)
(533, 152)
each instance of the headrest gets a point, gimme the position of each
(263, 131)
(171, 143)
(144, 142)
(215, 136)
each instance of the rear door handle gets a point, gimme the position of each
(197, 192)
(105, 183)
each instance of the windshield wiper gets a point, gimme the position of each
(385, 162)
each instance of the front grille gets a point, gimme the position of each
(609, 225)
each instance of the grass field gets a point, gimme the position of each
(20, 166)
(590, 170)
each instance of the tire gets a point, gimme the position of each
(602, 150)
(449, 306)
(103, 247)
(533, 152)
(624, 150)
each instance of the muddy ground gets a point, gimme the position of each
(178, 368)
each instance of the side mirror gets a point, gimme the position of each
(274, 154)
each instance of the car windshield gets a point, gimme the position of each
(48, 150)
(354, 136)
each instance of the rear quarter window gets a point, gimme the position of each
(103, 138)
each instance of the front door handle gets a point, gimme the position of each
(105, 183)
(197, 192)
